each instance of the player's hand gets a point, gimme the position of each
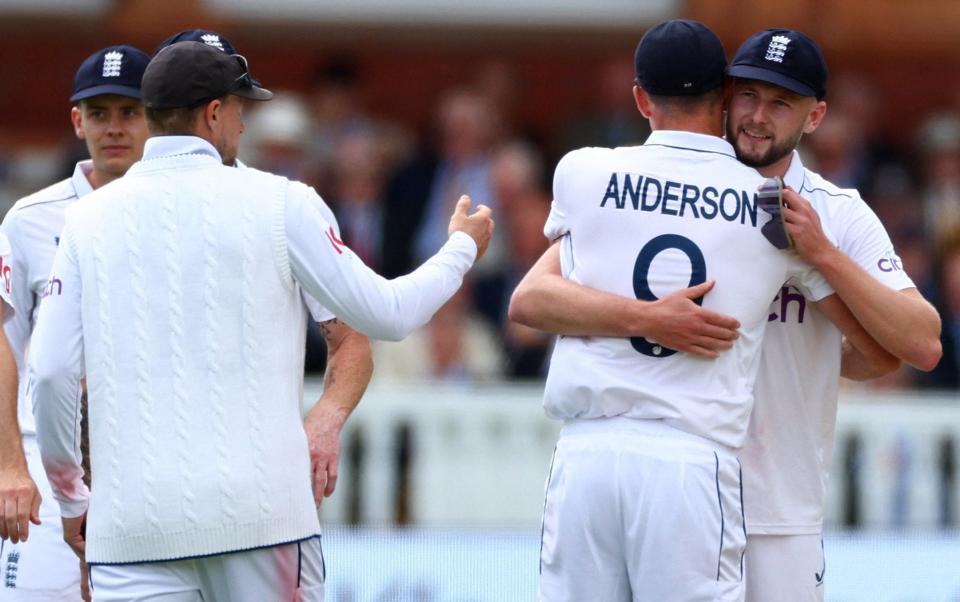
(679, 323)
(19, 503)
(74, 533)
(323, 439)
(85, 581)
(479, 225)
(803, 224)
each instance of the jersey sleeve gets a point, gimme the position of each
(55, 368)
(864, 239)
(557, 224)
(318, 312)
(809, 281)
(6, 274)
(387, 309)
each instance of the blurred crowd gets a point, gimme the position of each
(392, 188)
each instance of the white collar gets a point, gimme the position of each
(691, 141)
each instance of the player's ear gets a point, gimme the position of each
(815, 116)
(642, 99)
(212, 113)
(76, 118)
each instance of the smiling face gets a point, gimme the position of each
(115, 130)
(765, 123)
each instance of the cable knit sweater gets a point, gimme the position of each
(179, 285)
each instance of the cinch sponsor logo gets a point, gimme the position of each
(676, 198)
(890, 264)
(780, 309)
(54, 287)
(5, 272)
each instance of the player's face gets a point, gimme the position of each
(765, 122)
(115, 130)
(230, 126)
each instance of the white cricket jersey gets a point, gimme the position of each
(33, 226)
(786, 459)
(646, 221)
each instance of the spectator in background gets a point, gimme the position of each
(454, 347)
(517, 178)
(611, 118)
(940, 149)
(848, 148)
(278, 135)
(947, 374)
(357, 193)
(336, 108)
(416, 201)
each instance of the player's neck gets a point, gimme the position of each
(98, 178)
(778, 168)
(704, 124)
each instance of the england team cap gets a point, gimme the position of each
(114, 70)
(680, 58)
(186, 74)
(210, 38)
(785, 58)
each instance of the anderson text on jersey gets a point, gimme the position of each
(676, 198)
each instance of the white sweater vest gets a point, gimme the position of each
(193, 348)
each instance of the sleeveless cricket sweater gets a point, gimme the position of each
(193, 347)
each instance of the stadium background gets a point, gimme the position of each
(445, 459)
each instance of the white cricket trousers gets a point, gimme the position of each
(43, 568)
(287, 573)
(637, 510)
(785, 568)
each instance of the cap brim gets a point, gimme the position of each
(253, 93)
(772, 77)
(117, 90)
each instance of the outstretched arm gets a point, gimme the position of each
(349, 368)
(373, 305)
(547, 301)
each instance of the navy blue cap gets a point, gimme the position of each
(680, 58)
(210, 38)
(114, 70)
(785, 58)
(187, 74)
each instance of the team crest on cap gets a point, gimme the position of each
(111, 63)
(211, 39)
(777, 48)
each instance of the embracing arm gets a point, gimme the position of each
(903, 322)
(863, 357)
(349, 368)
(547, 301)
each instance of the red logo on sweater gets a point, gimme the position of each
(5, 270)
(338, 244)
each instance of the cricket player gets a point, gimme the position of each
(107, 114)
(189, 326)
(778, 96)
(643, 498)
(349, 355)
